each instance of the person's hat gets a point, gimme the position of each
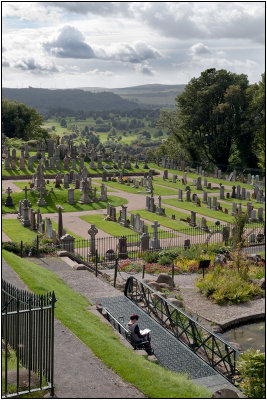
(134, 316)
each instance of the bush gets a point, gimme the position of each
(252, 369)
(151, 257)
(165, 260)
(224, 284)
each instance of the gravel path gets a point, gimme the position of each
(78, 372)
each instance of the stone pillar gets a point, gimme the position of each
(155, 243)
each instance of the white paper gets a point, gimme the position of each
(145, 331)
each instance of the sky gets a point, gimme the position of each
(121, 44)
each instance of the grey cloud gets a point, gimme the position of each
(70, 44)
(132, 53)
(30, 65)
(5, 64)
(199, 49)
(98, 8)
(145, 69)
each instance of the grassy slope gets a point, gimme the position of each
(167, 220)
(16, 232)
(153, 380)
(113, 228)
(157, 189)
(59, 196)
(210, 179)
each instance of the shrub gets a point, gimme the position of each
(252, 369)
(165, 260)
(151, 257)
(224, 284)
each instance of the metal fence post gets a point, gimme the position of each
(173, 271)
(143, 271)
(37, 245)
(96, 260)
(115, 271)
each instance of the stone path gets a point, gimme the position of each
(78, 372)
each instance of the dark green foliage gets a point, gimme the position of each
(164, 260)
(21, 121)
(151, 257)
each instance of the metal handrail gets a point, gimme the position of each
(219, 354)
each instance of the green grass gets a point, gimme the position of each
(157, 189)
(168, 222)
(210, 179)
(59, 196)
(27, 171)
(179, 185)
(72, 310)
(17, 232)
(110, 227)
(218, 215)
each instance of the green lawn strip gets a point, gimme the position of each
(59, 196)
(179, 185)
(243, 202)
(110, 227)
(51, 185)
(157, 189)
(77, 237)
(17, 232)
(218, 215)
(210, 179)
(27, 171)
(168, 222)
(72, 310)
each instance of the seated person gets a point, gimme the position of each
(136, 335)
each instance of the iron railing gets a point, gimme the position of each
(215, 351)
(108, 248)
(28, 333)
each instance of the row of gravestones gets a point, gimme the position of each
(171, 164)
(136, 224)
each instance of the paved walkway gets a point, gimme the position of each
(78, 372)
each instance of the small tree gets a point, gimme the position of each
(252, 369)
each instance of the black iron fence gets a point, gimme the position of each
(27, 341)
(135, 245)
(215, 351)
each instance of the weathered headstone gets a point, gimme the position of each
(92, 232)
(71, 196)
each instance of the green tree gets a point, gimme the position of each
(21, 121)
(209, 115)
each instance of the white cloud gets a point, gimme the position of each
(199, 49)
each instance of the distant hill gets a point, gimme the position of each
(70, 99)
(154, 94)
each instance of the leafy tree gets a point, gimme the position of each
(21, 121)
(209, 116)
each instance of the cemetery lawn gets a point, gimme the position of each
(152, 379)
(179, 185)
(210, 179)
(243, 202)
(48, 171)
(112, 228)
(167, 221)
(158, 191)
(51, 185)
(17, 232)
(190, 206)
(59, 197)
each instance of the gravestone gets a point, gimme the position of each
(188, 193)
(193, 219)
(260, 214)
(214, 203)
(60, 222)
(234, 208)
(103, 195)
(66, 181)
(198, 183)
(122, 247)
(123, 219)
(180, 195)
(73, 163)
(144, 241)
(92, 232)
(41, 201)
(243, 193)
(174, 177)
(187, 244)
(221, 197)
(9, 201)
(209, 202)
(49, 228)
(7, 163)
(67, 241)
(155, 243)
(205, 197)
(71, 196)
(22, 163)
(233, 195)
(238, 195)
(66, 162)
(205, 182)
(165, 174)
